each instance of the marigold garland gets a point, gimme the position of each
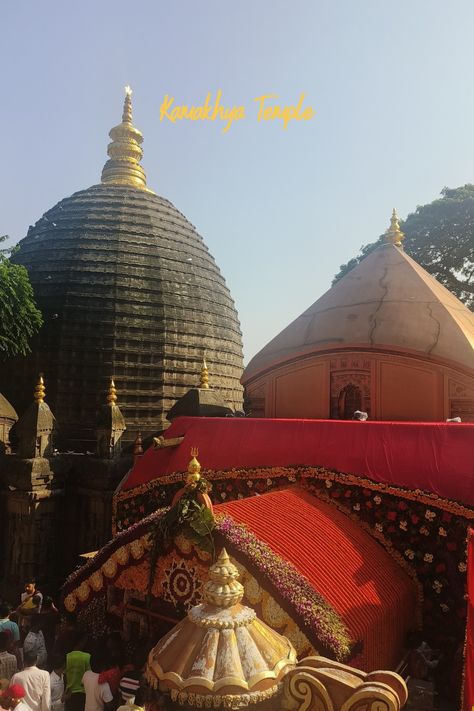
(131, 505)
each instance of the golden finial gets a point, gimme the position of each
(394, 235)
(137, 447)
(125, 153)
(223, 588)
(194, 468)
(204, 379)
(112, 393)
(40, 391)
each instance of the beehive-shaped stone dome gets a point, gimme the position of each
(128, 290)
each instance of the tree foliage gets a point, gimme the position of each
(20, 318)
(440, 237)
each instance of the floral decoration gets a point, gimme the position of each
(318, 620)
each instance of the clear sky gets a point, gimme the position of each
(391, 84)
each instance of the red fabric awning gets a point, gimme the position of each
(374, 596)
(436, 457)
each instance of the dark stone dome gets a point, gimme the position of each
(128, 290)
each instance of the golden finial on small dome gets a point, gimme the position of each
(125, 153)
(40, 391)
(112, 393)
(194, 468)
(137, 447)
(223, 588)
(204, 379)
(394, 235)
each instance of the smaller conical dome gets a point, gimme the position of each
(7, 411)
(386, 300)
(221, 654)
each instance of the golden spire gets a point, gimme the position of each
(125, 153)
(112, 393)
(40, 392)
(204, 379)
(137, 447)
(194, 468)
(223, 588)
(394, 235)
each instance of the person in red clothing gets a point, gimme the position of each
(14, 698)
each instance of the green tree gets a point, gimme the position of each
(20, 318)
(440, 237)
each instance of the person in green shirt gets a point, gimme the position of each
(77, 663)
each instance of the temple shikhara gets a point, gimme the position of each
(275, 537)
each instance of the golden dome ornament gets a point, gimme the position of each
(194, 468)
(125, 152)
(394, 235)
(221, 655)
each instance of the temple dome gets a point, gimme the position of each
(387, 302)
(128, 290)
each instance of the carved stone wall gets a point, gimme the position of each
(51, 511)
(389, 385)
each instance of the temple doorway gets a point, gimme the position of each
(350, 400)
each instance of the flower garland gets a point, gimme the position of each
(320, 620)
(427, 540)
(132, 505)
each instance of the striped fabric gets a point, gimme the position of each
(128, 687)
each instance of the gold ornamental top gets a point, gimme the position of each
(223, 588)
(125, 153)
(204, 379)
(112, 393)
(194, 468)
(394, 235)
(221, 655)
(40, 391)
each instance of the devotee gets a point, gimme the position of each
(4, 684)
(98, 696)
(8, 662)
(361, 416)
(66, 635)
(31, 601)
(77, 663)
(134, 703)
(14, 698)
(35, 683)
(8, 625)
(50, 617)
(56, 679)
(34, 642)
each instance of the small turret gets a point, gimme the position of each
(8, 417)
(201, 401)
(110, 426)
(36, 426)
(137, 448)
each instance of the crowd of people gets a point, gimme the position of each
(48, 664)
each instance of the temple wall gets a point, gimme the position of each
(52, 511)
(389, 386)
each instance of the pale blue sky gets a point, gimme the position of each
(279, 210)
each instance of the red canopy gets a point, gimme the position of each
(435, 457)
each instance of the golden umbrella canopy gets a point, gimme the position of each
(221, 654)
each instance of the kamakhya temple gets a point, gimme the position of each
(273, 560)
